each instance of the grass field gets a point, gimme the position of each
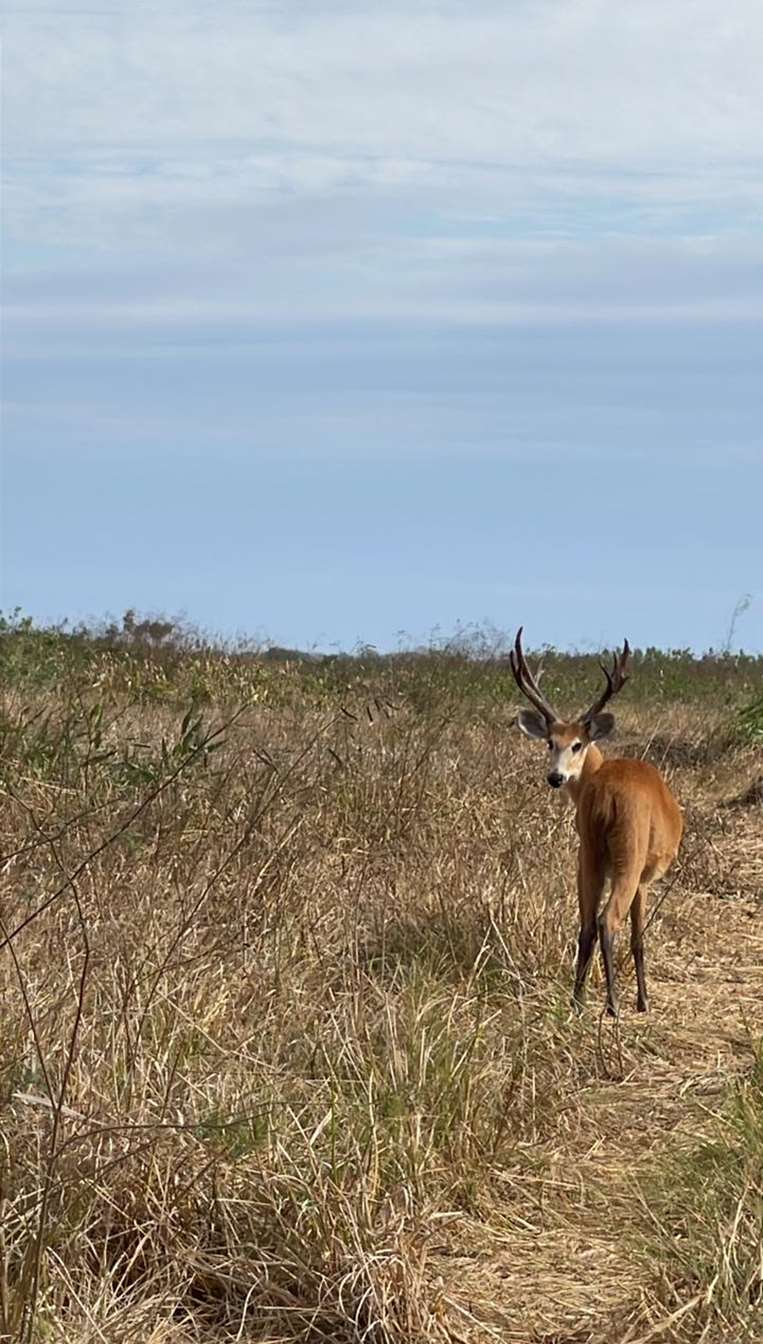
(286, 1048)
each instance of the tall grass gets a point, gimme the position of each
(285, 981)
(702, 1220)
(160, 661)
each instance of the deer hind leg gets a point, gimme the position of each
(591, 879)
(654, 869)
(625, 884)
(638, 910)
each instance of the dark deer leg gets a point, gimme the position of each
(590, 887)
(637, 948)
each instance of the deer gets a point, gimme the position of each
(628, 822)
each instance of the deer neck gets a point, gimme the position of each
(593, 762)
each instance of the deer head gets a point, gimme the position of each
(567, 740)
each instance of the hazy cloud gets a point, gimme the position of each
(472, 162)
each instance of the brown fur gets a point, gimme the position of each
(630, 829)
(629, 823)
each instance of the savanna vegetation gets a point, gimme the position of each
(287, 1051)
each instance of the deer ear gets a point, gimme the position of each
(600, 726)
(532, 724)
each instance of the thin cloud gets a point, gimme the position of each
(339, 273)
(549, 108)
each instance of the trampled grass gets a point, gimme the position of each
(287, 1052)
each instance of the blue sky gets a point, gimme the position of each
(337, 321)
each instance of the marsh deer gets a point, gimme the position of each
(628, 821)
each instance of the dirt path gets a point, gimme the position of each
(562, 1261)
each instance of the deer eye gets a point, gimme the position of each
(576, 746)
(550, 746)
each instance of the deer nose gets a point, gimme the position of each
(555, 779)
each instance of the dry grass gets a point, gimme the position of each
(287, 1052)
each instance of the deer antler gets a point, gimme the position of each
(616, 679)
(527, 683)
